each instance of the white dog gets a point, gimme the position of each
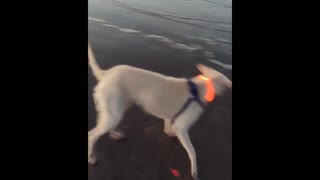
(179, 102)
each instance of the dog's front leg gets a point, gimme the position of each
(183, 136)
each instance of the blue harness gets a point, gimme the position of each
(195, 97)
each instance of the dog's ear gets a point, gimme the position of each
(214, 74)
(207, 71)
(202, 68)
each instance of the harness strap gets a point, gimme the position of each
(195, 97)
(195, 93)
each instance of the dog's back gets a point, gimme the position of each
(155, 93)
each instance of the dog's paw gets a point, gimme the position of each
(92, 160)
(195, 176)
(116, 135)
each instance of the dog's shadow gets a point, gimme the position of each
(148, 153)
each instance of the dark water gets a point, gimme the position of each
(170, 37)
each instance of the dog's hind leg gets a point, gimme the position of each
(109, 115)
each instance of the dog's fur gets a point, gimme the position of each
(160, 95)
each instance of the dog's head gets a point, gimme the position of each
(220, 81)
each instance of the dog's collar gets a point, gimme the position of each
(210, 90)
(210, 94)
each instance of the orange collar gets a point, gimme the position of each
(210, 91)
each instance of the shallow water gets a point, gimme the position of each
(190, 25)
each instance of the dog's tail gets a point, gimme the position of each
(97, 71)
